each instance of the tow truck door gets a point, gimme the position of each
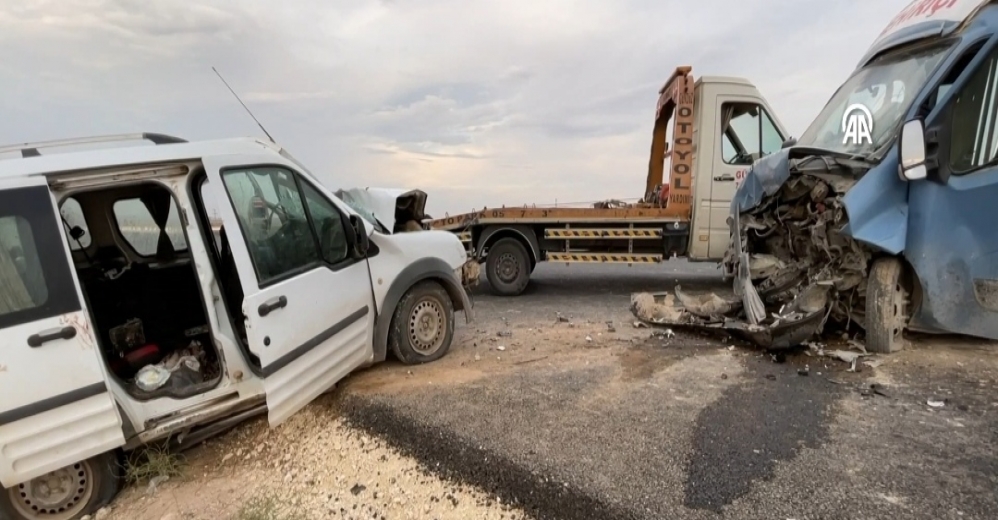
(55, 408)
(744, 131)
(307, 305)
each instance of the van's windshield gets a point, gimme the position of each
(886, 87)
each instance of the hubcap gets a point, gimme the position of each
(427, 326)
(59, 495)
(507, 268)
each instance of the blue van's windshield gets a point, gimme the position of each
(886, 88)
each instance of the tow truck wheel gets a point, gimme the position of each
(423, 324)
(508, 267)
(886, 306)
(67, 493)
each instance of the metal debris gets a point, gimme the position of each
(795, 272)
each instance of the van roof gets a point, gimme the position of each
(168, 150)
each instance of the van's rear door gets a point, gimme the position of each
(55, 407)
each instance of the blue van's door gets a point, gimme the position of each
(953, 228)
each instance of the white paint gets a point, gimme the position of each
(921, 11)
(857, 125)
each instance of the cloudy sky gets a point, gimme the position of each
(478, 102)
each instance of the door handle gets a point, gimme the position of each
(272, 305)
(37, 340)
(727, 177)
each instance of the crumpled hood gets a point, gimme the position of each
(390, 208)
(763, 178)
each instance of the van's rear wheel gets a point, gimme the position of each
(886, 306)
(423, 324)
(64, 494)
(508, 267)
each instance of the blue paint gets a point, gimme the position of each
(947, 232)
(877, 207)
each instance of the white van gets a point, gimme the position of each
(172, 291)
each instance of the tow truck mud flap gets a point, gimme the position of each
(706, 313)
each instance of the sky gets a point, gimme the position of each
(483, 103)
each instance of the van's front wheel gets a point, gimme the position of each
(65, 494)
(423, 324)
(886, 306)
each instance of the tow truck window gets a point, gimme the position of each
(34, 269)
(271, 214)
(974, 138)
(747, 133)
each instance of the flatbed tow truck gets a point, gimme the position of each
(710, 129)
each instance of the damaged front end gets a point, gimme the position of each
(794, 269)
(390, 210)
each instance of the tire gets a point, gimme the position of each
(507, 267)
(97, 481)
(423, 324)
(886, 306)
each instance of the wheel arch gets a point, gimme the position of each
(524, 234)
(433, 269)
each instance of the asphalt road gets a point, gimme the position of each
(589, 417)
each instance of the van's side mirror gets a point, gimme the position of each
(361, 242)
(789, 142)
(912, 151)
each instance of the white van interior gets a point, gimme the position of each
(141, 286)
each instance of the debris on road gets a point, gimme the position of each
(936, 403)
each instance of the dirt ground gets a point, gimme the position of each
(554, 405)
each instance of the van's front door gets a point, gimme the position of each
(308, 304)
(951, 240)
(55, 407)
(746, 133)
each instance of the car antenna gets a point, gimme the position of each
(244, 105)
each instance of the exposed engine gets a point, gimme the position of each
(804, 271)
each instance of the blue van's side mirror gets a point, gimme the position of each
(912, 151)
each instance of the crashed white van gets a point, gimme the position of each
(172, 290)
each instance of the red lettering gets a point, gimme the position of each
(928, 8)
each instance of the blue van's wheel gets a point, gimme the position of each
(886, 306)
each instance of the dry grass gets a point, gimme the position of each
(270, 507)
(152, 462)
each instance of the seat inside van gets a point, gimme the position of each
(142, 290)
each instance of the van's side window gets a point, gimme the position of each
(747, 133)
(35, 280)
(142, 230)
(328, 224)
(974, 138)
(272, 217)
(72, 216)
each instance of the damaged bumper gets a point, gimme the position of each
(470, 273)
(794, 268)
